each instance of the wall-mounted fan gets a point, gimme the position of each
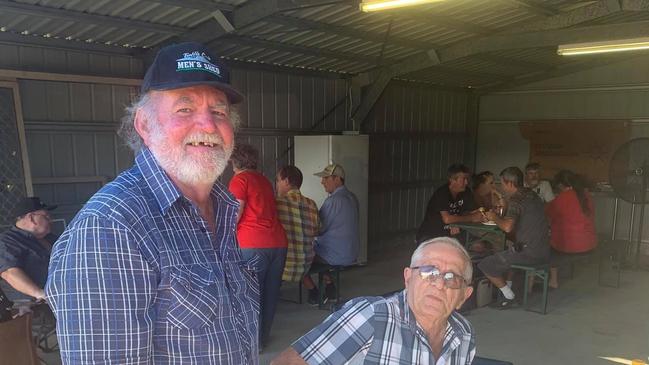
(629, 178)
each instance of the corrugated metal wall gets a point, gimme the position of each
(70, 126)
(71, 140)
(416, 130)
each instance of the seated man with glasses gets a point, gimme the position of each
(419, 325)
(25, 251)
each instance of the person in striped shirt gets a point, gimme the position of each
(299, 216)
(419, 325)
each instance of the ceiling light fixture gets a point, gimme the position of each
(377, 5)
(604, 47)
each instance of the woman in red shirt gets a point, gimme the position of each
(572, 218)
(261, 236)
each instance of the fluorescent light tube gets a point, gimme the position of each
(368, 6)
(604, 47)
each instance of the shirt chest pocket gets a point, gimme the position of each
(196, 295)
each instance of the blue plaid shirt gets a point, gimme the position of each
(377, 330)
(138, 278)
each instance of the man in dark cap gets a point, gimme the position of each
(25, 251)
(149, 270)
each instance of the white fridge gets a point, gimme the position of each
(313, 153)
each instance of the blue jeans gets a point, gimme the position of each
(269, 268)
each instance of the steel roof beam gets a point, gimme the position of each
(19, 39)
(580, 15)
(508, 61)
(308, 51)
(534, 7)
(508, 41)
(635, 5)
(444, 22)
(206, 5)
(556, 71)
(459, 74)
(93, 19)
(250, 13)
(346, 31)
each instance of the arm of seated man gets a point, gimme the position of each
(473, 216)
(20, 281)
(505, 223)
(330, 341)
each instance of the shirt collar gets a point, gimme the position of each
(164, 190)
(451, 334)
(294, 192)
(23, 232)
(338, 189)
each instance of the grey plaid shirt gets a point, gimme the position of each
(377, 330)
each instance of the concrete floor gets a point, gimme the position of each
(585, 321)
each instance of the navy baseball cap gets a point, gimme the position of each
(188, 64)
(30, 204)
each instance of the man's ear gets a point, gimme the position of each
(406, 276)
(467, 293)
(141, 126)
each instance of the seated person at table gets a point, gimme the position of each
(485, 194)
(525, 216)
(419, 325)
(533, 181)
(25, 251)
(572, 218)
(488, 198)
(450, 203)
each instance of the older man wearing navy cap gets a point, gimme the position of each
(149, 270)
(25, 251)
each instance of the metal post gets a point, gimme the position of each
(631, 221)
(615, 210)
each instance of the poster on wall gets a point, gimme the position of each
(583, 146)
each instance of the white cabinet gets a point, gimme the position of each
(313, 153)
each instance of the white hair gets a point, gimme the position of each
(448, 241)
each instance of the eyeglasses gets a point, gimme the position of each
(431, 273)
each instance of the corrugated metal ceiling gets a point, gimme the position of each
(460, 43)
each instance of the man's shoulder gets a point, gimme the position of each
(545, 184)
(124, 196)
(295, 197)
(12, 236)
(527, 196)
(460, 325)
(342, 194)
(378, 306)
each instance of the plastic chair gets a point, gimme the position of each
(16, 342)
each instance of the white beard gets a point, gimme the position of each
(186, 168)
